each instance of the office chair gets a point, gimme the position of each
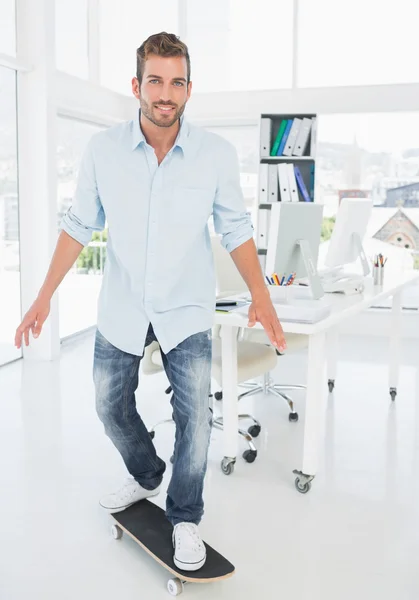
(252, 361)
(230, 282)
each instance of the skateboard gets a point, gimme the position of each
(147, 524)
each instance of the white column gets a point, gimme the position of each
(93, 40)
(37, 163)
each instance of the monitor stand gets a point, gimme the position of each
(334, 273)
(356, 241)
(311, 269)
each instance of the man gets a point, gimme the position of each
(158, 179)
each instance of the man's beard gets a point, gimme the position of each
(161, 120)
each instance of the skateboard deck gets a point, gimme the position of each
(147, 524)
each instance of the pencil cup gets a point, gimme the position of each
(279, 293)
(378, 275)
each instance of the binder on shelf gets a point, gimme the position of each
(302, 139)
(313, 139)
(312, 171)
(263, 229)
(265, 136)
(279, 137)
(292, 183)
(285, 195)
(292, 138)
(301, 184)
(263, 183)
(284, 138)
(272, 183)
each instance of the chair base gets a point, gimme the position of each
(270, 387)
(249, 455)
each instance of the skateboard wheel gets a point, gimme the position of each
(175, 587)
(116, 532)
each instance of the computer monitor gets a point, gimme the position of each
(293, 242)
(345, 245)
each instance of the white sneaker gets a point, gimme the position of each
(190, 551)
(128, 495)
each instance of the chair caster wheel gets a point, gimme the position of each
(172, 459)
(152, 434)
(331, 385)
(293, 417)
(254, 430)
(250, 456)
(227, 465)
(393, 393)
(218, 395)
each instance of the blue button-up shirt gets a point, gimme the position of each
(159, 266)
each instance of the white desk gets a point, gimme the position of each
(322, 349)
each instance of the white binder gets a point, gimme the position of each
(292, 182)
(265, 136)
(263, 228)
(301, 143)
(263, 183)
(272, 183)
(284, 189)
(313, 142)
(292, 138)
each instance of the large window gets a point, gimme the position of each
(71, 37)
(78, 293)
(357, 42)
(375, 156)
(8, 27)
(10, 306)
(123, 28)
(236, 45)
(245, 138)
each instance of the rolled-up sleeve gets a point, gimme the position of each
(86, 213)
(230, 217)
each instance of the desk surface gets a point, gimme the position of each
(343, 306)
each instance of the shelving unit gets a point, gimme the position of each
(270, 179)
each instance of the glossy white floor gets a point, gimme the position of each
(355, 535)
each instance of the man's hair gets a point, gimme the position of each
(161, 44)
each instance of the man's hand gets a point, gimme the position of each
(262, 310)
(33, 321)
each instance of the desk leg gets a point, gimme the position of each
(395, 332)
(315, 411)
(230, 397)
(332, 340)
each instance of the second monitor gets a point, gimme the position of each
(293, 242)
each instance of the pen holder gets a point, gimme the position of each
(378, 275)
(280, 293)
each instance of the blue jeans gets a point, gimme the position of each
(188, 368)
